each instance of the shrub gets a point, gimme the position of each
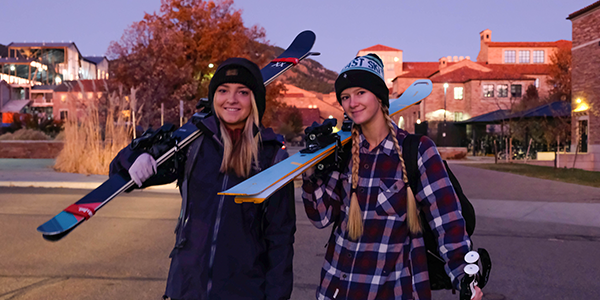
(25, 135)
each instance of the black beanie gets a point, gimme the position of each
(365, 72)
(243, 71)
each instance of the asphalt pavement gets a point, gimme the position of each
(493, 194)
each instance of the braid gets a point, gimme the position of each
(355, 224)
(411, 203)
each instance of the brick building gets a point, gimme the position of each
(585, 80)
(463, 89)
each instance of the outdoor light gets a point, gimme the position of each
(211, 65)
(12, 67)
(330, 116)
(578, 100)
(396, 59)
(418, 121)
(445, 85)
(57, 80)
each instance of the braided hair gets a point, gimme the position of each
(355, 219)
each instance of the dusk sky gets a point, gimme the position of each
(424, 29)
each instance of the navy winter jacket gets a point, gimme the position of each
(226, 250)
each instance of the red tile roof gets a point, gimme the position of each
(380, 47)
(419, 69)
(525, 69)
(584, 10)
(467, 74)
(559, 44)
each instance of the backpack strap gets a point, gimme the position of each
(410, 153)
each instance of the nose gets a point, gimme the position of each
(352, 103)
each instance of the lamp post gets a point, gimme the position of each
(444, 131)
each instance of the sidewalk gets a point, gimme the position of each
(493, 194)
(39, 173)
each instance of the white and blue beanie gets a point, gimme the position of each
(365, 72)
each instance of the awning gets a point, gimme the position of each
(14, 105)
(555, 110)
(496, 116)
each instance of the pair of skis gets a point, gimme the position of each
(262, 185)
(74, 215)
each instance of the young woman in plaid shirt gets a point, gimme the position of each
(378, 252)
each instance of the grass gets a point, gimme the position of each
(577, 176)
(86, 150)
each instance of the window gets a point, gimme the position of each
(537, 83)
(458, 116)
(488, 90)
(538, 56)
(524, 57)
(64, 114)
(458, 93)
(515, 90)
(502, 90)
(510, 56)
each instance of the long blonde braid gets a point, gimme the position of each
(412, 215)
(355, 222)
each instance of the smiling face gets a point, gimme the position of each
(233, 104)
(361, 106)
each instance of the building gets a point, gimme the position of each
(391, 58)
(463, 88)
(585, 81)
(30, 72)
(70, 95)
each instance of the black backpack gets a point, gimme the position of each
(438, 278)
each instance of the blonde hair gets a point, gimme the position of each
(355, 222)
(240, 157)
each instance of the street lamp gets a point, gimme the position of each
(444, 131)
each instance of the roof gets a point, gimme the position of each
(14, 105)
(554, 109)
(525, 69)
(380, 47)
(3, 51)
(95, 59)
(491, 117)
(89, 85)
(45, 45)
(467, 74)
(584, 10)
(42, 44)
(559, 44)
(419, 69)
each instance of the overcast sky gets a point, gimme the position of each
(424, 29)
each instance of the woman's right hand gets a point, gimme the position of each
(142, 169)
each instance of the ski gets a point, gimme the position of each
(262, 185)
(71, 217)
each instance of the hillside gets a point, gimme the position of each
(309, 75)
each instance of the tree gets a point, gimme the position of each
(292, 124)
(560, 75)
(170, 56)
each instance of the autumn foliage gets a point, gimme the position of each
(170, 55)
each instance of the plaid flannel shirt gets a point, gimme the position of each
(387, 262)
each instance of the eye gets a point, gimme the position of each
(245, 92)
(361, 92)
(344, 97)
(221, 90)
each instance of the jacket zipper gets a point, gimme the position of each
(213, 246)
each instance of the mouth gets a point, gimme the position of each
(232, 109)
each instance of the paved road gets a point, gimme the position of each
(528, 225)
